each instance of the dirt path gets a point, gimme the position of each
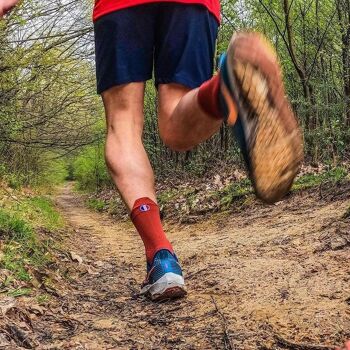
(253, 278)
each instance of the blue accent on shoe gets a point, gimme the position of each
(237, 129)
(223, 74)
(222, 59)
(238, 132)
(223, 69)
(163, 262)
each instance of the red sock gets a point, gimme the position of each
(146, 218)
(208, 97)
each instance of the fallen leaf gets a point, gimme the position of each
(91, 271)
(37, 309)
(104, 324)
(76, 257)
(217, 180)
(7, 304)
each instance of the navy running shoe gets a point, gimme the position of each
(256, 108)
(164, 278)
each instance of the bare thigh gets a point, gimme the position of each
(123, 99)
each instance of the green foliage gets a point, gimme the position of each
(21, 247)
(14, 228)
(89, 169)
(39, 211)
(332, 175)
(26, 168)
(96, 204)
(48, 104)
(22, 250)
(43, 298)
(19, 292)
(54, 172)
(233, 192)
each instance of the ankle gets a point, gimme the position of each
(145, 216)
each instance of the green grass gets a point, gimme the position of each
(19, 292)
(96, 204)
(13, 227)
(22, 250)
(333, 175)
(234, 191)
(167, 196)
(39, 211)
(243, 188)
(43, 298)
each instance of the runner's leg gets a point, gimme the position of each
(129, 165)
(184, 60)
(125, 154)
(124, 56)
(183, 123)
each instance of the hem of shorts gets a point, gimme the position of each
(182, 81)
(122, 82)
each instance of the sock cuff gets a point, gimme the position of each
(208, 97)
(143, 205)
(150, 253)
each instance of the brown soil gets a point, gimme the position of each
(271, 277)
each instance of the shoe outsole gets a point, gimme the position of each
(169, 294)
(272, 136)
(169, 286)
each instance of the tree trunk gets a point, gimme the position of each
(307, 88)
(343, 9)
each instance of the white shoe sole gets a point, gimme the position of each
(169, 286)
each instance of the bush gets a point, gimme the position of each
(90, 171)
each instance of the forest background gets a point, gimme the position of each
(52, 130)
(51, 120)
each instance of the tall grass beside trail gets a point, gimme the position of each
(25, 223)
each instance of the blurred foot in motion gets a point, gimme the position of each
(266, 128)
(248, 93)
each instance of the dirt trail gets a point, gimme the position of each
(253, 278)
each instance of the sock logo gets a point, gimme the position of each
(145, 207)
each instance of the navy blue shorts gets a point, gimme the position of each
(176, 41)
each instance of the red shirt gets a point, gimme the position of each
(102, 7)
